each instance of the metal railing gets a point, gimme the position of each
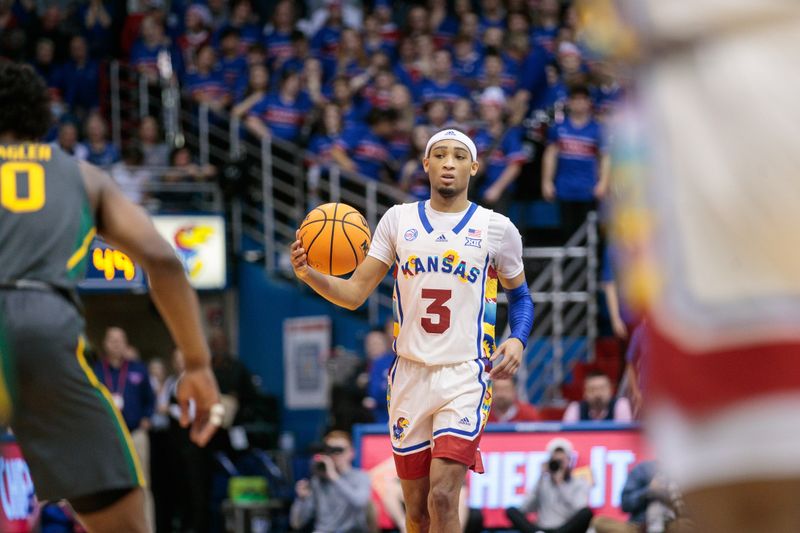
(160, 194)
(564, 291)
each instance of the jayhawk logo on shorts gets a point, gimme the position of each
(399, 427)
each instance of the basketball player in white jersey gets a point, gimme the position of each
(448, 255)
(718, 109)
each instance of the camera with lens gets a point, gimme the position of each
(554, 465)
(318, 466)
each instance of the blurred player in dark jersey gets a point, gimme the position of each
(51, 207)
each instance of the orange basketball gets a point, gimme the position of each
(335, 237)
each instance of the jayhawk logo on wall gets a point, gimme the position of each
(399, 427)
(187, 241)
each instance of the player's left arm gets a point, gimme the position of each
(511, 275)
(520, 318)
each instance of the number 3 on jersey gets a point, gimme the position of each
(9, 192)
(436, 307)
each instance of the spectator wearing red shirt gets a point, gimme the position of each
(506, 405)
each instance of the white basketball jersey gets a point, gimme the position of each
(445, 293)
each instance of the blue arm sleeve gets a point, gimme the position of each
(520, 313)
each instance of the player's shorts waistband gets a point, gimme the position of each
(36, 285)
(417, 362)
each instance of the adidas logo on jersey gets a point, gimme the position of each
(441, 238)
(464, 421)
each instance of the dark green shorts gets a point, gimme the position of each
(73, 438)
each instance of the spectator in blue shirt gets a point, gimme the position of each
(443, 24)
(441, 85)
(492, 15)
(576, 166)
(325, 43)
(373, 39)
(256, 55)
(520, 22)
(311, 78)
(544, 35)
(300, 51)
(144, 55)
(351, 59)
(380, 358)
(405, 67)
(127, 380)
(378, 92)
(257, 88)
(389, 30)
(366, 150)
(321, 143)
(556, 94)
(500, 151)
(653, 502)
(606, 90)
(417, 22)
(283, 113)
(232, 62)
(493, 38)
(278, 35)
(101, 151)
(320, 147)
(466, 61)
(469, 25)
(44, 62)
(206, 85)
(242, 19)
(96, 17)
(413, 178)
(494, 73)
(354, 111)
(532, 82)
(79, 79)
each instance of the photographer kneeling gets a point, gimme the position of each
(560, 501)
(337, 496)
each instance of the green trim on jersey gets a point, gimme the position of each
(131, 459)
(76, 266)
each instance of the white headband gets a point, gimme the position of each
(456, 136)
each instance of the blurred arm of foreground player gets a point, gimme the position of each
(349, 293)
(127, 226)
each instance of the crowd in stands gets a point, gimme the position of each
(358, 85)
(361, 85)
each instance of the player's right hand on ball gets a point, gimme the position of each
(299, 257)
